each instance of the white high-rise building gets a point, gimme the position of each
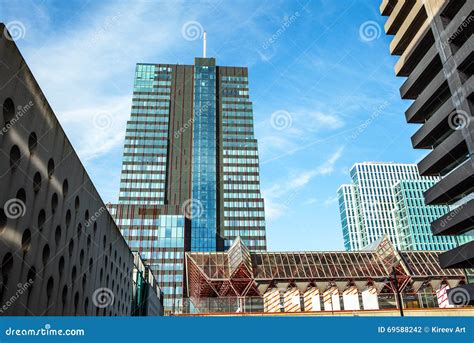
(368, 205)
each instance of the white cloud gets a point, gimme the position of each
(102, 128)
(303, 128)
(273, 210)
(281, 194)
(328, 166)
(88, 68)
(330, 201)
(311, 201)
(318, 121)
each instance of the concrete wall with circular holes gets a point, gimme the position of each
(58, 244)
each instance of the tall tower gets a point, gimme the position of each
(190, 173)
(434, 42)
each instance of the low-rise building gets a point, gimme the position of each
(241, 281)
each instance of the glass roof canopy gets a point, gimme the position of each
(239, 272)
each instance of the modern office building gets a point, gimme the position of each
(60, 250)
(157, 233)
(147, 298)
(434, 39)
(386, 199)
(190, 174)
(241, 281)
(349, 214)
(413, 218)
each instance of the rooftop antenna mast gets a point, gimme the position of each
(204, 44)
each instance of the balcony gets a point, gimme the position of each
(456, 222)
(432, 97)
(460, 29)
(464, 56)
(398, 15)
(422, 74)
(435, 128)
(453, 186)
(460, 257)
(409, 29)
(415, 51)
(387, 6)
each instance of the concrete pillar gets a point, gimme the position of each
(271, 300)
(351, 299)
(292, 300)
(370, 300)
(312, 300)
(331, 300)
(442, 296)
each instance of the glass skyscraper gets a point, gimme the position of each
(413, 218)
(190, 174)
(204, 166)
(386, 199)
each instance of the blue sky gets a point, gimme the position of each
(321, 80)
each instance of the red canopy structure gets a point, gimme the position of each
(241, 273)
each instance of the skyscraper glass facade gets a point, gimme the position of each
(349, 217)
(368, 206)
(190, 174)
(146, 138)
(159, 238)
(243, 208)
(204, 174)
(413, 218)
